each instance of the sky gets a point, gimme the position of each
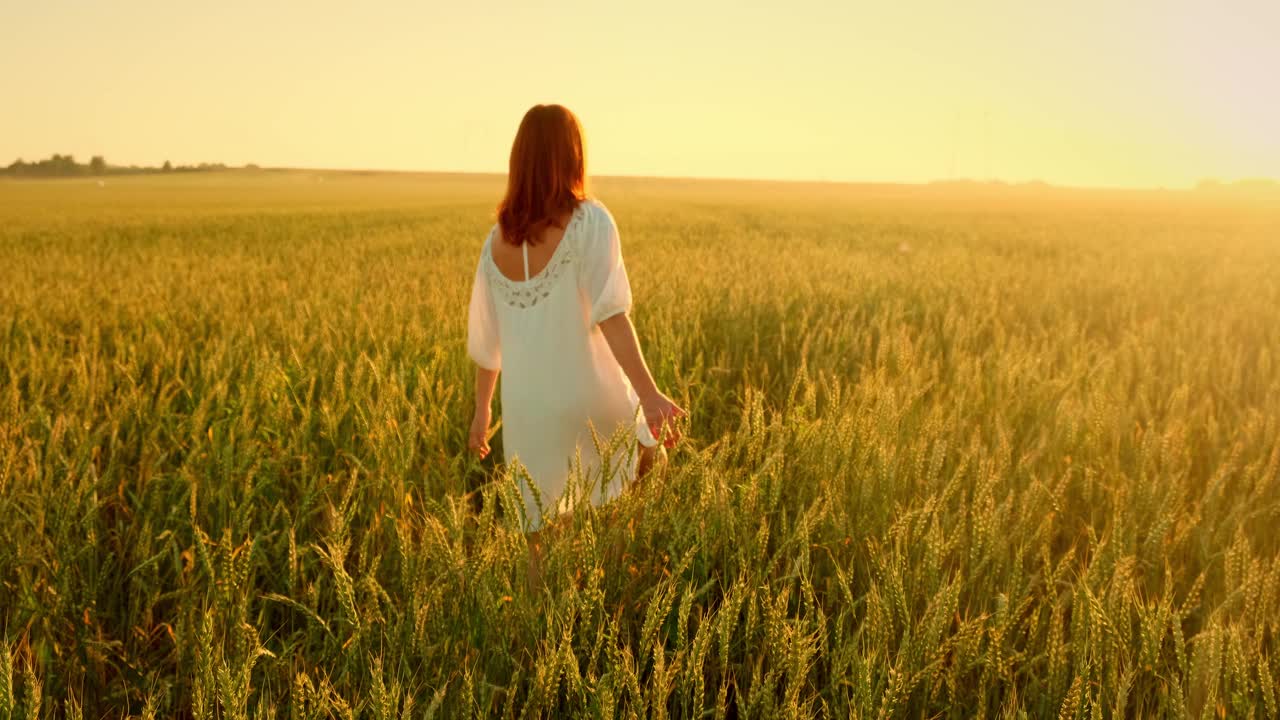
(1138, 93)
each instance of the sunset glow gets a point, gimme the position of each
(1136, 94)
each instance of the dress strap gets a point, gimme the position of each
(524, 246)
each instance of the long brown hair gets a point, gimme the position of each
(547, 176)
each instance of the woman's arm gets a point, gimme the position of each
(658, 409)
(478, 441)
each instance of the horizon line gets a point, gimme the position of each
(997, 182)
(993, 182)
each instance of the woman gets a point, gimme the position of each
(549, 309)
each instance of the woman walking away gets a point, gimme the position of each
(549, 310)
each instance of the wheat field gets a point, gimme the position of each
(953, 453)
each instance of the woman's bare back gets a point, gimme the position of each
(510, 258)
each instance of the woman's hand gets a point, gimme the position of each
(478, 441)
(660, 413)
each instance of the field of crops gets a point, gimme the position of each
(952, 453)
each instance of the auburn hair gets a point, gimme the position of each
(547, 177)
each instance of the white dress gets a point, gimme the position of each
(559, 377)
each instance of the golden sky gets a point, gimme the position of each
(1116, 93)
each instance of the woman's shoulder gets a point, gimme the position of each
(486, 247)
(598, 217)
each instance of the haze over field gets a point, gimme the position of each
(950, 454)
(1092, 93)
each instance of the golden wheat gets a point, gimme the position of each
(952, 454)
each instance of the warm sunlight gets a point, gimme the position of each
(683, 359)
(1093, 93)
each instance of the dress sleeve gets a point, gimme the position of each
(604, 276)
(483, 344)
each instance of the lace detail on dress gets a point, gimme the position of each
(527, 293)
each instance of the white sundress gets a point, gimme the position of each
(559, 377)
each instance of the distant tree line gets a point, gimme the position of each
(66, 166)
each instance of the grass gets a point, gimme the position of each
(952, 454)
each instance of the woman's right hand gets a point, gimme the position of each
(660, 413)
